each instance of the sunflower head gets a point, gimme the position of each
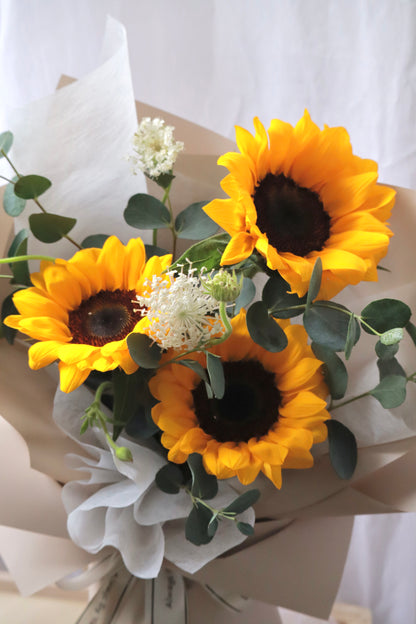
(296, 193)
(272, 412)
(80, 311)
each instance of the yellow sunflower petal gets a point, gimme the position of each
(71, 376)
(239, 248)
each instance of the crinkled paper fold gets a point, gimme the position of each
(78, 138)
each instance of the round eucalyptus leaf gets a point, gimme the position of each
(243, 502)
(391, 391)
(12, 204)
(143, 350)
(6, 141)
(385, 314)
(264, 330)
(342, 449)
(279, 301)
(31, 186)
(327, 324)
(49, 228)
(196, 526)
(146, 212)
(194, 224)
(94, 240)
(335, 372)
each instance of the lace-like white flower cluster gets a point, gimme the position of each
(181, 314)
(155, 148)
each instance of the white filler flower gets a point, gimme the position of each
(180, 313)
(155, 150)
(118, 504)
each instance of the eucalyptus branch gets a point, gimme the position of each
(35, 199)
(331, 408)
(94, 416)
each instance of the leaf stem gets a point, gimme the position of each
(411, 378)
(13, 259)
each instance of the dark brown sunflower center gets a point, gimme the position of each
(248, 408)
(105, 317)
(292, 217)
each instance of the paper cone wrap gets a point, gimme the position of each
(90, 124)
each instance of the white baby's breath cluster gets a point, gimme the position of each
(155, 150)
(181, 314)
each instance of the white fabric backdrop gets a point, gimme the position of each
(219, 63)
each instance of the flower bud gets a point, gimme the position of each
(223, 286)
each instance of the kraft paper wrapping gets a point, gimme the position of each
(275, 566)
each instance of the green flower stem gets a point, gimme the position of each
(226, 322)
(166, 201)
(411, 377)
(6, 276)
(94, 416)
(35, 199)
(13, 259)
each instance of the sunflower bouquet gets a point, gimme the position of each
(200, 383)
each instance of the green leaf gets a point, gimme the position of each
(315, 282)
(95, 240)
(212, 526)
(335, 372)
(280, 303)
(264, 330)
(206, 254)
(31, 186)
(386, 352)
(342, 449)
(193, 223)
(246, 296)
(353, 329)
(196, 526)
(170, 478)
(243, 502)
(12, 204)
(164, 180)
(216, 375)
(145, 212)
(204, 486)
(154, 250)
(49, 228)
(392, 336)
(390, 367)
(125, 397)
(6, 141)
(20, 270)
(196, 367)
(327, 324)
(7, 308)
(391, 391)
(411, 330)
(385, 314)
(141, 425)
(143, 350)
(245, 528)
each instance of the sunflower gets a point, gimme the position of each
(272, 412)
(296, 193)
(82, 310)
